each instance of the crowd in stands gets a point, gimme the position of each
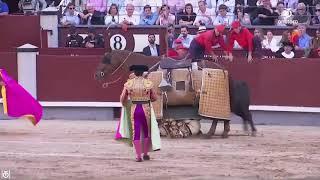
(194, 12)
(239, 38)
(297, 14)
(181, 12)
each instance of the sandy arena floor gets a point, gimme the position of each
(86, 150)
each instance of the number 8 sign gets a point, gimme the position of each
(118, 42)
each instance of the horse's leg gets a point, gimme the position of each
(212, 129)
(226, 128)
(249, 119)
(245, 124)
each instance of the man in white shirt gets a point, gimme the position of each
(132, 17)
(205, 15)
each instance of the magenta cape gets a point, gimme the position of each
(17, 102)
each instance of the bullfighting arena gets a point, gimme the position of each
(60, 149)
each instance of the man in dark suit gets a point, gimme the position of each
(152, 49)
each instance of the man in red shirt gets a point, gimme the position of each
(243, 37)
(202, 44)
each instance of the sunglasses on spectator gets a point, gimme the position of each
(317, 9)
(71, 8)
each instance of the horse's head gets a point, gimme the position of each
(105, 67)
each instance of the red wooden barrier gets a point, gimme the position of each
(16, 31)
(272, 81)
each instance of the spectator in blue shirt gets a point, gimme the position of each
(148, 17)
(304, 41)
(4, 10)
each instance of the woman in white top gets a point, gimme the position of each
(113, 15)
(270, 42)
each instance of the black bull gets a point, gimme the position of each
(239, 102)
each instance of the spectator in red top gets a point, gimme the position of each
(243, 37)
(202, 44)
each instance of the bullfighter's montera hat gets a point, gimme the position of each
(138, 68)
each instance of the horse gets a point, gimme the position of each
(239, 91)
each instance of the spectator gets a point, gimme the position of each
(283, 14)
(39, 4)
(139, 4)
(295, 34)
(113, 15)
(165, 17)
(287, 51)
(97, 17)
(71, 17)
(265, 14)
(291, 4)
(74, 39)
(316, 19)
(249, 6)
(98, 5)
(170, 36)
(13, 6)
(131, 18)
(185, 38)
(202, 44)
(270, 42)
(230, 4)
(121, 4)
(244, 38)
(272, 2)
(309, 4)
(243, 18)
(93, 40)
(86, 16)
(301, 15)
(187, 17)
(224, 16)
(205, 15)
(4, 10)
(152, 49)
(155, 4)
(258, 37)
(316, 40)
(176, 6)
(194, 4)
(148, 17)
(286, 37)
(304, 41)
